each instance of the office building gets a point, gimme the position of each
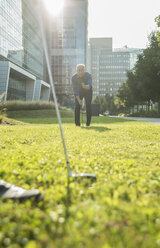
(134, 52)
(22, 74)
(98, 46)
(109, 68)
(68, 45)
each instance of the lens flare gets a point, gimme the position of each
(54, 7)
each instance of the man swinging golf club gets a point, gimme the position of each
(82, 88)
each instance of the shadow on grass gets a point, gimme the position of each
(95, 120)
(98, 128)
(108, 120)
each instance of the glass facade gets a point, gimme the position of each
(16, 89)
(68, 42)
(20, 40)
(113, 68)
(98, 47)
(109, 68)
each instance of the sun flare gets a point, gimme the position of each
(54, 7)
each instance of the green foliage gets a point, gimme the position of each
(122, 98)
(147, 71)
(44, 113)
(30, 105)
(33, 109)
(1, 96)
(1, 118)
(157, 19)
(120, 210)
(106, 104)
(102, 102)
(142, 84)
(7, 121)
(152, 113)
(2, 109)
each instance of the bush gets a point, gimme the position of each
(30, 105)
(2, 108)
(41, 113)
(1, 118)
(152, 114)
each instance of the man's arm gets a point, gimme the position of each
(86, 87)
(89, 83)
(76, 91)
(79, 100)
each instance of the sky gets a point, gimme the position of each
(128, 22)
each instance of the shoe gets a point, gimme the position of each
(87, 125)
(9, 191)
(77, 125)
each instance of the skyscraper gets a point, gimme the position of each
(21, 52)
(68, 44)
(98, 46)
(109, 68)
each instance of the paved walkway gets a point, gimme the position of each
(151, 120)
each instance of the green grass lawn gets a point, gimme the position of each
(121, 210)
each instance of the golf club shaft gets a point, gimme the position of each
(53, 90)
(82, 108)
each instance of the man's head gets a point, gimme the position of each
(80, 70)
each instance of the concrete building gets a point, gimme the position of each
(68, 39)
(134, 52)
(98, 46)
(109, 68)
(22, 74)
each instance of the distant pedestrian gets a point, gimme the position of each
(82, 88)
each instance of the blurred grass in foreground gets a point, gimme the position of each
(121, 210)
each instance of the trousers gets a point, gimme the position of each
(87, 95)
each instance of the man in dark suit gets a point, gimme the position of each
(82, 88)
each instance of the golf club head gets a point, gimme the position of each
(85, 176)
(82, 126)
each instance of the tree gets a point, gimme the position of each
(106, 104)
(157, 19)
(111, 107)
(135, 91)
(122, 98)
(147, 71)
(143, 82)
(102, 102)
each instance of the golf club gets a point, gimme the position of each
(82, 111)
(70, 174)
